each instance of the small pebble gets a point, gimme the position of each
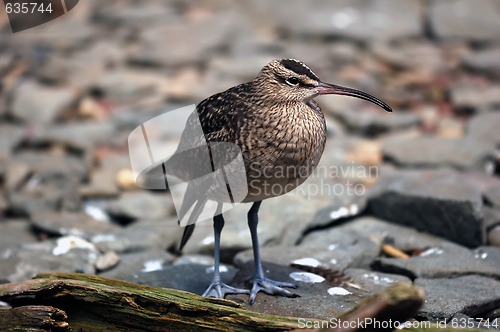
(107, 261)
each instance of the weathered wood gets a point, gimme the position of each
(95, 303)
(33, 318)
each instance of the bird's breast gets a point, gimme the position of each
(281, 153)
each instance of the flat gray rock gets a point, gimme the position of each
(378, 231)
(132, 264)
(38, 103)
(464, 20)
(141, 205)
(441, 262)
(139, 236)
(484, 127)
(439, 202)
(346, 19)
(334, 258)
(71, 223)
(468, 153)
(470, 295)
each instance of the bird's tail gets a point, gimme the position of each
(193, 217)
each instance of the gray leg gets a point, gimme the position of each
(217, 288)
(260, 283)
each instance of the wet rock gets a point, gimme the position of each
(37, 103)
(375, 20)
(314, 300)
(484, 60)
(465, 20)
(141, 205)
(373, 282)
(131, 264)
(70, 223)
(194, 259)
(489, 254)
(15, 232)
(329, 257)
(376, 230)
(484, 127)
(139, 236)
(107, 261)
(468, 153)
(361, 250)
(440, 202)
(440, 262)
(188, 277)
(475, 96)
(477, 295)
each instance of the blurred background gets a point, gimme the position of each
(73, 89)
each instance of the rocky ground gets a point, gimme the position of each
(423, 180)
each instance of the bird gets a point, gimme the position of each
(279, 130)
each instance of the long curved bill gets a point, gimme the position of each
(331, 89)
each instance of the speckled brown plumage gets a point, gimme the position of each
(277, 125)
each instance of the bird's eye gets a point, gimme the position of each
(293, 81)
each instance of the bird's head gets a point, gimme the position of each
(292, 80)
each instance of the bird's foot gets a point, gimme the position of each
(219, 290)
(271, 287)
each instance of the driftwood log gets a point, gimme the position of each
(80, 302)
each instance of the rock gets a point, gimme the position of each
(16, 174)
(192, 43)
(31, 259)
(80, 136)
(440, 262)
(369, 120)
(360, 250)
(465, 20)
(374, 20)
(377, 230)
(132, 264)
(467, 153)
(332, 257)
(10, 137)
(373, 282)
(40, 104)
(487, 60)
(492, 195)
(440, 202)
(419, 55)
(484, 127)
(15, 232)
(188, 277)
(107, 261)
(141, 205)
(477, 295)
(140, 236)
(314, 300)
(54, 167)
(474, 96)
(488, 254)
(70, 223)
(494, 236)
